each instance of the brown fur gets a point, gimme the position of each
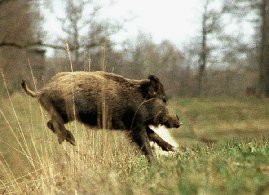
(109, 101)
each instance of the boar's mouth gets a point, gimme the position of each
(172, 122)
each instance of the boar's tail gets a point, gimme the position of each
(27, 90)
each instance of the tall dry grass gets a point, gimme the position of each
(33, 162)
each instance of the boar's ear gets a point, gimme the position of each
(152, 88)
(155, 87)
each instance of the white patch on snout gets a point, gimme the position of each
(164, 133)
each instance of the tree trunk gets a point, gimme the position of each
(264, 50)
(203, 53)
(76, 42)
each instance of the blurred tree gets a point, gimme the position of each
(264, 48)
(260, 10)
(140, 54)
(73, 23)
(210, 25)
(19, 25)
(224, 48)
(83, 31)
(144, 57)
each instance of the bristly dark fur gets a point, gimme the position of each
(130, 105)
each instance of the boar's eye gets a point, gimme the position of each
(164, 100)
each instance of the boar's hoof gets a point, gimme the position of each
(150, 158)
(60, 139)
(50, 126)
(168, 148)
(70, 138)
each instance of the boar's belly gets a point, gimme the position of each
(88, 118)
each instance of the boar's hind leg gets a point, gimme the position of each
(140, 137)
(158, 140)
(56, 123)
(57, 126)
(67, 135)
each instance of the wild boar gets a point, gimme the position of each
(106, 100)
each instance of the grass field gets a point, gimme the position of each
(223, 149)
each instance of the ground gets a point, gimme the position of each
(223, 149)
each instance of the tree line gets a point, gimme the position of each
(215, 61)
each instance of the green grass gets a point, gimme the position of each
(223, 149)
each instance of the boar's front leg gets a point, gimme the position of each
(158, 140)
(140, 137)
(133, 121)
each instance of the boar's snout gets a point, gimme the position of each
(162, 115)
(178, 123)
(173, 122)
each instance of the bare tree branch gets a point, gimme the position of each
(40, 44)
(3, 1)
